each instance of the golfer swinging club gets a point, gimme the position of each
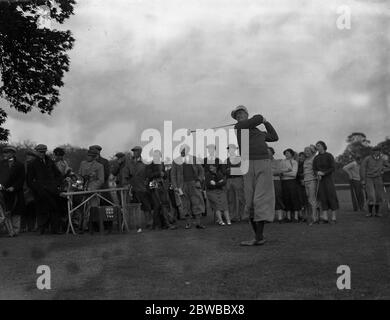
(258, 182)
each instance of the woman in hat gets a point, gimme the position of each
(323, 167)
(290, 186)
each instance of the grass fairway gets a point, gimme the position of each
(298, 262)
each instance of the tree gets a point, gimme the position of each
(353, 150)
(358, 146)
(33, 58)
(74, 155)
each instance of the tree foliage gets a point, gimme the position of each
(357, 149)
(33, 59)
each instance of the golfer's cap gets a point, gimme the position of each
(41, 148)
(96, 147)
(238, 108)
(377, 149)
(137, 148)
(9, 148)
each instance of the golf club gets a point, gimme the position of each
(189, 131)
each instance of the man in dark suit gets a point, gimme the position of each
(44, 179)
(12, 175)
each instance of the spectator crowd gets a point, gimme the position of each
(32, 193)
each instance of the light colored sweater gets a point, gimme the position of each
(308, 172)
(289, 164)
(353, 170)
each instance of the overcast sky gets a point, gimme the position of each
(136, 63)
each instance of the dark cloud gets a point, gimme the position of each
(135, 65)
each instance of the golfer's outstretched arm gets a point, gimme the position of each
(250, 123)
(270, 135)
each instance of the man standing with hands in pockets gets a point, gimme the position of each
(258, 180)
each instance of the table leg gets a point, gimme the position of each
(70, 224)
(123, 203)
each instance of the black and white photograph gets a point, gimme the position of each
(202, 153)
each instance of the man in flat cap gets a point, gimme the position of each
(187, 177)
(106, 167)
(104, 162)
(134, 174)
(93, 174)
(44, 179)
(371, 171)
(12, 176)
(258, 181)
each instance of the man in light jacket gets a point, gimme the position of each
(371, 171)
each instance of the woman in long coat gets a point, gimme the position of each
(290, 185)
(324, 166)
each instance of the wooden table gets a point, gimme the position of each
(98, 194)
